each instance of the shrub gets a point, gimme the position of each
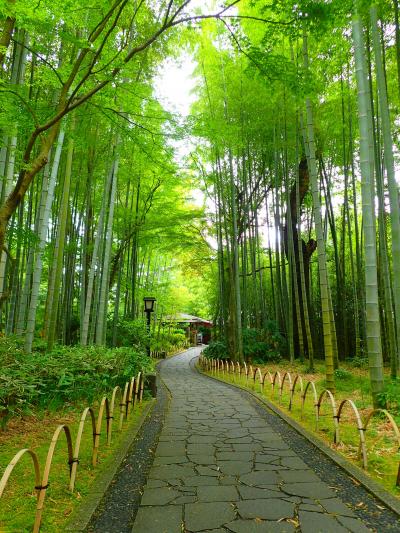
(360, 362)
(262, 345)
(130, 333)
(390, 398)
(216, 350)
(341, 373)
(63, 376)
(169, 340)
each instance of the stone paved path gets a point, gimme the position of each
(220, 467)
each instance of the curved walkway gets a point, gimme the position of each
(221, 467)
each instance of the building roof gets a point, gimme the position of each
(187, 319)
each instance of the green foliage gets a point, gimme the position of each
(390, 398)
(216, 350)
(131, 333)
(63, 376)
(341, 373)
(263, 345)
(360, 362)
(169, 340)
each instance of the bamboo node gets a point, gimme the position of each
(42, 487)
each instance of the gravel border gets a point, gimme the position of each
(381, 518)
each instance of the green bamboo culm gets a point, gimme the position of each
(329, 338)
(390, 172)
(373, 331)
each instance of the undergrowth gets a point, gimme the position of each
(44, 380)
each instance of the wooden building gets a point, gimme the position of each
(198, 330)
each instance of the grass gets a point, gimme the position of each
(18, 503)
(351, 383)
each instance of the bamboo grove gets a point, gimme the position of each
(299, 122)
(295, 128)
(93, 202)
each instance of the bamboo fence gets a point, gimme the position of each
(300, 391)
(127, 397)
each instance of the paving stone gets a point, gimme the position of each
(196, 481)
(202, 459)
(311, 507)
(235, 468)
(280, 452)
(152, 483)
(235, 456)
(317, 491)
(241, 440)
(227, 480)
(200, 449)
(254, 423)
(199, 516)
(207, 471)
(159, 496)
(299, 476)
(217, 493)
(336, 506)
(171, 472)
(172, 438)
(184, 499)
(202, 439)
(158, 520)
(158, 461)
(352, 524)
(293, 462)
(247, 447)
(254, 493)
(253, 526)
(319, 523)
(268, 509)
(264, 458)
(266, 466)
(237, 433)
(259, 479)
(171, 449)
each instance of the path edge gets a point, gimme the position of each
(81, 517)
(353, 471)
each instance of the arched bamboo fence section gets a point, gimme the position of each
(286, 376)
(277, 374)
(310, 385)
(327, 394)
(297, 379)
(133, 392)
(257, 372)
(297, 383)
(360, 428)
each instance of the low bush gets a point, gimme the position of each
(342, 374)
(359, 361)
(130, 333)
(169, 340)
(63, 376)
(390, 398)
(216, 350)
(259, 345)
(263, 345)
